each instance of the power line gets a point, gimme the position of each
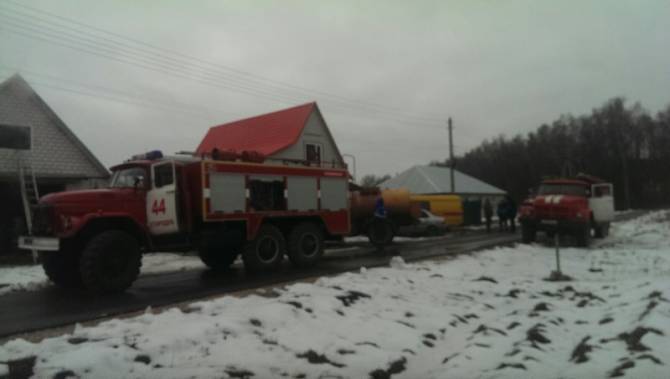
(262, 80)
(115, 92)
(188, 57)
(119, 97)
(76, 43)
(105, 93)
(105, 97)
(35, 34)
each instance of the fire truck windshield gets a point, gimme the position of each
(562, 189)
(128, 177)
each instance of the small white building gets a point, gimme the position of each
(436, 180)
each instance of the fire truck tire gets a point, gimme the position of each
(266, 251)
(528, 234)
(602, 230)
(380, 232)
(219, 250)
(584, 236)
(305, 245)
(62, 268)
(216, 259)
(110, 262)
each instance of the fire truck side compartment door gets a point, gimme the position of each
(228, 192)
(334, 194)
(601, 202)
(162, 216)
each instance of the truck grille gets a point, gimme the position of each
(555, 212)
(42, 220)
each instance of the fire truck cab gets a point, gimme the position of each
(240, 206)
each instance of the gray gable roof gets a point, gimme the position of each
(434, 179)
(57, 152)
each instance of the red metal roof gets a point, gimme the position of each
(266, 134)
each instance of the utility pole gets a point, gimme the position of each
(451, 157)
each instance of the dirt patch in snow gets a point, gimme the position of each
(485, 279)
(535, 336)
(519, 366)
(317, 359)
(352, 297)
(21, 368)
(633, 339)
(620, 369)
(580, 353)
(395, 367)
(239, 374)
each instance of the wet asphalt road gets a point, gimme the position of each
(22, 312)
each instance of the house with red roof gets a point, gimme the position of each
(295, 134)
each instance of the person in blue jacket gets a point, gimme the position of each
(380, 208)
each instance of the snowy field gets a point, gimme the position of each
(486, 315)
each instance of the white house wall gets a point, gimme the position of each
(55, 153)
(314, 132)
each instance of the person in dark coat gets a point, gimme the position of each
(511, 213)
(488, 214)
(502, 214)
(380, 208)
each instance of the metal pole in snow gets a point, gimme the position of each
(558, 257)
(451, 156)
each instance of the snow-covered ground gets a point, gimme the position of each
(27, 278)
(486, 315)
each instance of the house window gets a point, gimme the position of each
(313, 152)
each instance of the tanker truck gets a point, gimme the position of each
(400, 211)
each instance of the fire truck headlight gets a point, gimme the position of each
(65, 222)
(579, 215)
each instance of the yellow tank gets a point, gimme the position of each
(396, 201)
(448, 206)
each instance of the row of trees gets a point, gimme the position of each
(622, 144)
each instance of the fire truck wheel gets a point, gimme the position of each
(220, 250)
(305, 245)
(62, 267)
(602, 231)
(584, 236)
(380, 232)
(266, 251)
(528, 234)
(110, 262)
(216, 259)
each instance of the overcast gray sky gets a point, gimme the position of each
(386, 74)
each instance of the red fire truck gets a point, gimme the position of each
(574, 206)
(221, 208)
